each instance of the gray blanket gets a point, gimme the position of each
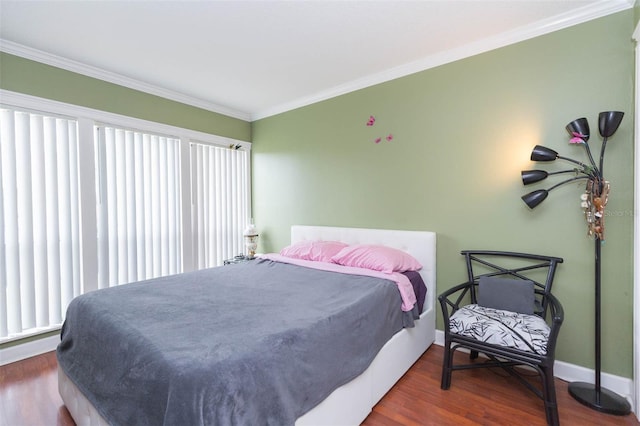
(256, 343)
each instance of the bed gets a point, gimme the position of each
(350, 403)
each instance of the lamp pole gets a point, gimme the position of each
(598, 316)
(594, 395)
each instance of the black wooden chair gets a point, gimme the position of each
(505, 311)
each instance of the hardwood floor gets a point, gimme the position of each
(29, 397)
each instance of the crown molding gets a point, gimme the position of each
(575, 17)
(111, 77)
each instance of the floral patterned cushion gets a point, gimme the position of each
(528, 333)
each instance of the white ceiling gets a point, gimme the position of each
(253, 59)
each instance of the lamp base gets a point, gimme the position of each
(607, 401)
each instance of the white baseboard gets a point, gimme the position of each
(575, 373)
(28, 349)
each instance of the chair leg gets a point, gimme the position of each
(447, 361)
(549, 394)
(473, 354)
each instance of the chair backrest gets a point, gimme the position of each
(539, 269)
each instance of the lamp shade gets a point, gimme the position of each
(541, 153)
(534, 198)
(608, 122)
(580, 126)
(532, 176)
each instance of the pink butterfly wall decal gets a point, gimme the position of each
(370, 122)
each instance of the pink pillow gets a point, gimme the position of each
(378, 258)
(320, 251)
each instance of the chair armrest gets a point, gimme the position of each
(556, 309)
(556, 314)
(449, 304)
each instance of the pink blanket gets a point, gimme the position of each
(403, 283)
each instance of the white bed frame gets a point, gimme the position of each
(351, 403)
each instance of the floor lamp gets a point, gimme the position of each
(594, 201)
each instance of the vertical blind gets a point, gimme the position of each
(39, 220)
(220, 202)
(137, 230)
(139, 206)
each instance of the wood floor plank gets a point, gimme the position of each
(476, 397)
(29, 397)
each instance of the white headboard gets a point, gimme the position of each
(419, 244)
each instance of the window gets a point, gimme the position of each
(220, 185)
(86, 205)
(39, 220)
(138, 205)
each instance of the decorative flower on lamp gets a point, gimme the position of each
(596, 194)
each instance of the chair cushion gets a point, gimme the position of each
(528, 333)
(509, 294)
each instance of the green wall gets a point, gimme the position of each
(462, 132)
(33, 78)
